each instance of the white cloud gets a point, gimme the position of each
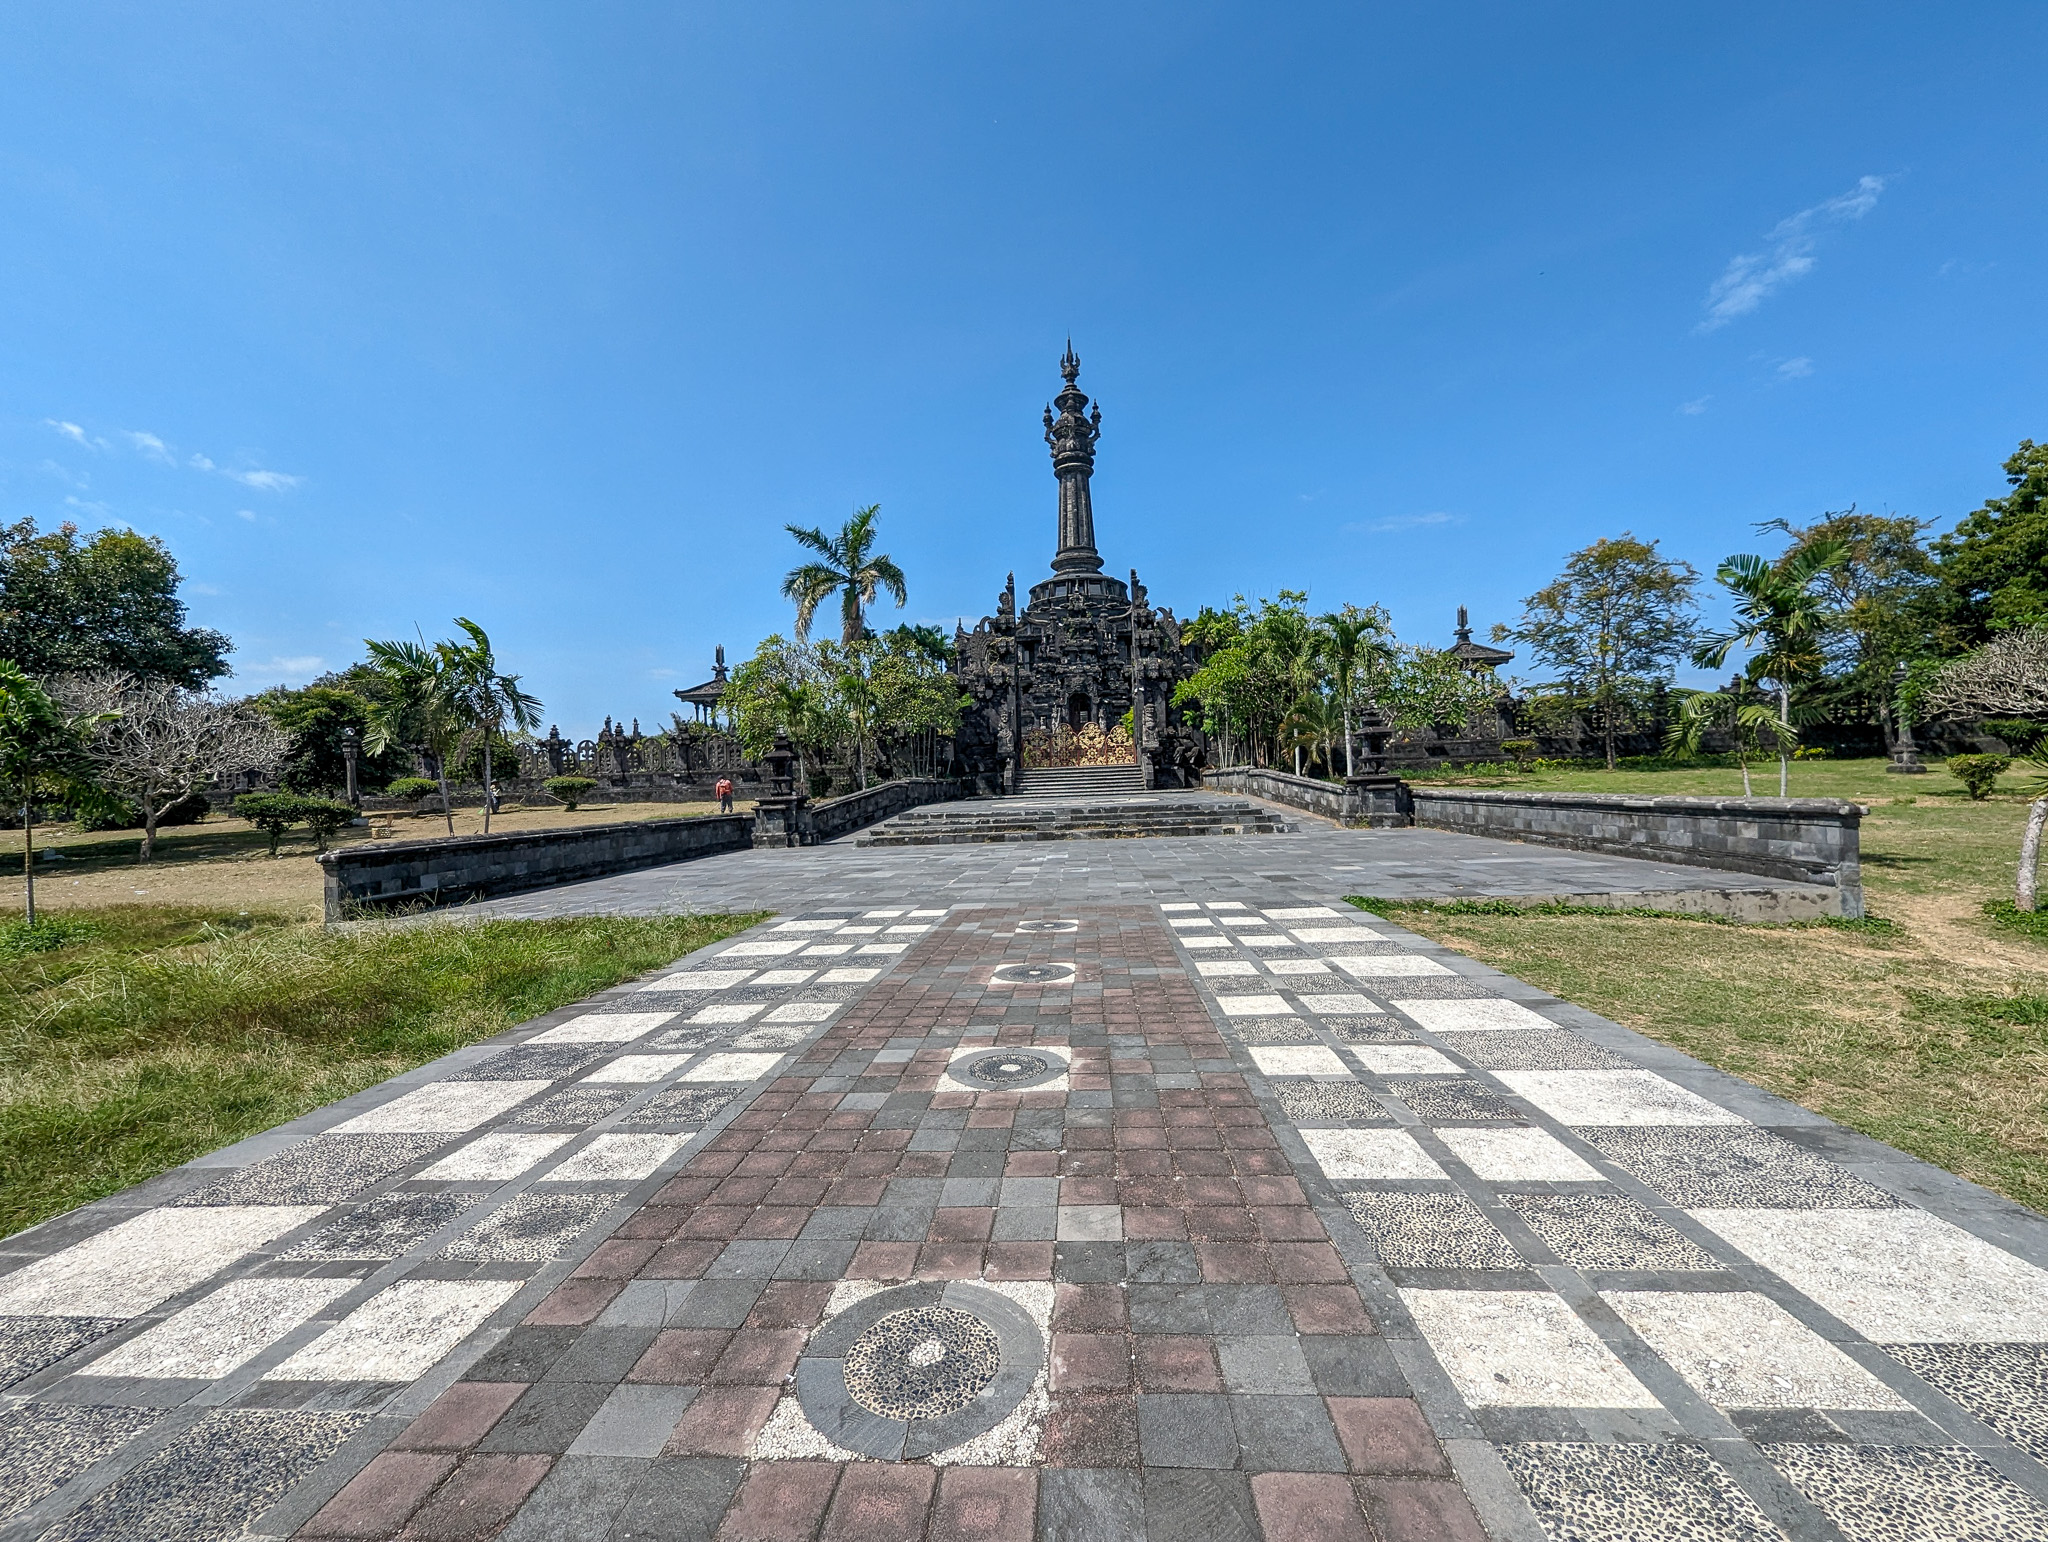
(200, 463)
(93, 510)
(1695, 407)
(1751, 277)
(69, 430)
(264, 481)
(1403, 522)
(151, 446)
(248, 514)
(1794, 369)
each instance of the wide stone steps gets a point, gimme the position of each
(1080, 781)
(1077, 819)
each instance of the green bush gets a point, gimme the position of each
(96, 811)
(324, 817)
(2024, 734)
(1979, 773)
(572, 790)
(271, 812)
(414, 789)
(1521, 751)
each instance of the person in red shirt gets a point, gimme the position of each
(724, 791)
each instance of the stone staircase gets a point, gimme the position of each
(1080, 782)
(1077, 817)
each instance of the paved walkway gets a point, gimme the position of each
(1217, 1213)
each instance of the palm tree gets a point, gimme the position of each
(484, 701)
(1352, 639)
(415, 709)
(849, 568)
(1751, 723)
(1779, 614)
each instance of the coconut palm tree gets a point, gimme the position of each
(1353, 641)
(483, 700)
(850, 567)
(1750, 724)
(1780, 613)
(415, 709)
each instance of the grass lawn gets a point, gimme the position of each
(1932, 1037)
(222, 863)
(135, 1037)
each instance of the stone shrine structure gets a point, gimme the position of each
(1051, 685)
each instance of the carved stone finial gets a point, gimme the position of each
(1464, 626)
(1070, 363)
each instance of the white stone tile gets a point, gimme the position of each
(1298, 1060)
(815, 924)
(1227, 905)
(443, 1106)
(1370, 1154)
(1264, 940)
(1300, 912)
(905, 930)
(784, 976)
(1348, 1001)
(604, 1028)
(802, 1012)
(616, 1159)
(767, 947)
(828, 950)
(1388, 966)
(1296, 966)
(1403, 1060)
(882, 949)
(636, 1068)
(127, 1269)
(1895, 1276)
(879, 915)
(726, 1012)
(1325, 934)
(848, 975)
(1615, 1097)
(1254, 1006)
(399, 1334)
(1522, 1349)
(224, 1330)
(1192, 924)
(915, 913)
(697, 980)
(1520, 1155)
(1215, 967)
(730, 1067)
(1089, 1223)
(495, 1158)
(1481, 1016)
(1743, 1350)
(859, 931)
(1205, 942)
(1179, 905)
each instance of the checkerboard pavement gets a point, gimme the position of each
(1203, 1218)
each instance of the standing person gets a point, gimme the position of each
(724, 791)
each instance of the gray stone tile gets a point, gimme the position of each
(1734, 1168)
(1514, 1049)
(1154, 1263)
(533, 1063)
(1345, 1103)
(717, 1304)
(2005, 1385)
(1454, 1100)
(1263, 1363)
(603, 1352)
(1621, 1493)
(1897, 1493)
(1285, 1434)
(684, 1107)
(678, 1501)
(389, 1226)
(817, 1258)
(579, 1498)
(547, 1418)
(1353, 1365)
(1607, 1231)
(1430, 1231)
(43, 1446)
(1090, 1504)
(1215, 1506)
(320, 1171)
(212, 1480)
(573, 1108)
(1186, 1429)
(748, 1261)
(28, 1344)
(531, 1227)
(1259, 1309)
(634, 1421)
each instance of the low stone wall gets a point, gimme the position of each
(1372, 802)
(381, 874)
(1804, 840)
(857, 810)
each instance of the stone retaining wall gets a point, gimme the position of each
(1379, 802)
(856, 810)
(1804, 840)
(382, 874)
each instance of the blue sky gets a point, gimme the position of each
(553, 316)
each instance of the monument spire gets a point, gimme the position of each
(1072, 439)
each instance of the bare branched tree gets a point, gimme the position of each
(2008, 677)
(156, 741)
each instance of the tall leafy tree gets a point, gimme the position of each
(1993, 567)
(486, 701)
(849, 566)
(1783, 615)
(104, 603)
(415, 709)
(42, 745)
(1353, 642)
(2008, 675)
(1613, 625)
(317, 718)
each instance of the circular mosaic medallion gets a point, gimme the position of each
(1032, 974)
(922, 1363)
(1048, 926)
(1004, 1069)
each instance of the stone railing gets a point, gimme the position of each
(1376, 802)
(385, 874)
(809, 823)
(1805, 840)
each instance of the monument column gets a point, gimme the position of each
(1072, 439)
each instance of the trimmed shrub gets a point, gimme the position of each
(271, 812)
(414, 789)
(1521, 751)
(572, 790)
(325, 817)
(1979, 773)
